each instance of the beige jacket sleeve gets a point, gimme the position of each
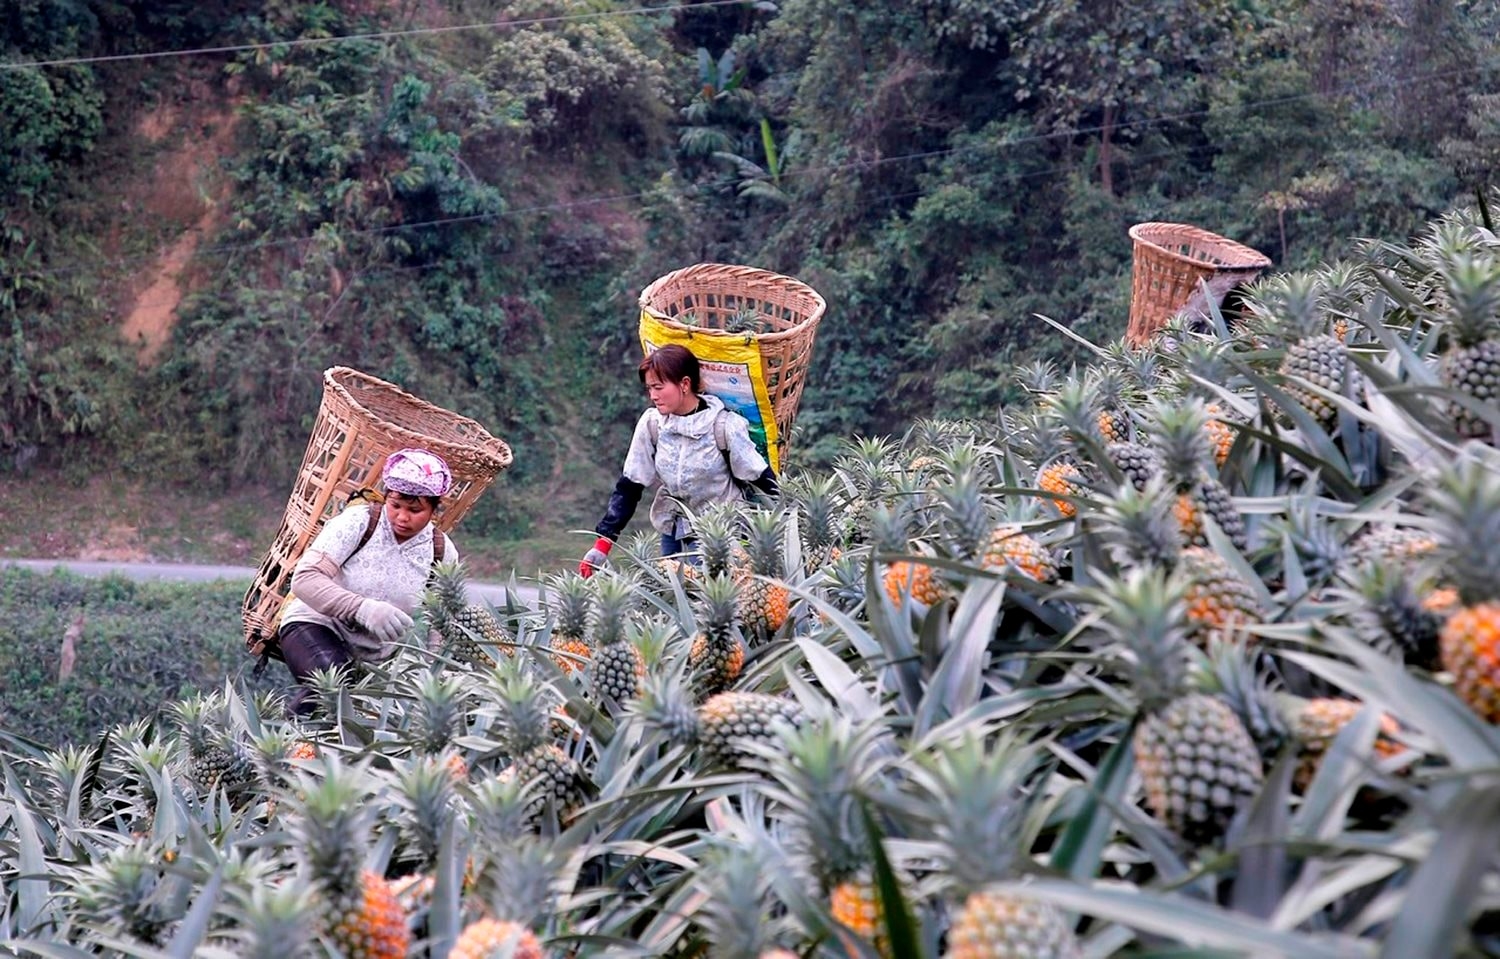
(315, 582)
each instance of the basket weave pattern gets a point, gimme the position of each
(1170, 259)
(361, 421)
(714, 293)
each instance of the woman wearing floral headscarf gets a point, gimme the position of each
(352, 599)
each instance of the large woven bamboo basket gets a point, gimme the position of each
(361, 421)
(1170, 260)
(713, 294)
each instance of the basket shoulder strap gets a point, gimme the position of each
(372, 521)
(438, 543)
(721, 437)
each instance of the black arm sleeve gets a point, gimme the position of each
(622, 504)
(766, 483)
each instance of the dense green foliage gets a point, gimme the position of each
(469, 212)
(134, 648)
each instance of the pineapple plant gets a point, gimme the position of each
(718, 540)
(555, 783)
(1178, 433)
(214, 757)
(819, 510)
(465, 628)
(718, 654)
(618, 667)
(572, 596)
(721, 726)
(1465, 506)
(1394, 612)
(1471, 364)
(1313, 355)
(733, 913)
(1197, 762)
(973, 803)
(763, 599)
(436, 714)
(917, 580)
(358, 911)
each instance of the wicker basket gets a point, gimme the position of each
(362, 420)
(1170, 259)
(715, 293)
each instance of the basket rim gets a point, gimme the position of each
(1252, 259)
(488, 446)
(800, 328)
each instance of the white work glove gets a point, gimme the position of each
(382, 620)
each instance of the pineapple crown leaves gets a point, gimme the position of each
(765, 532)
(1315, 543)
(447, 593)
(436, 711)
(1289, 306)
(1075, 407)
(331, 823)
(500, 810)
(124, 891)
(1464, 504)
(1037, 377)
(273, 921)
(974, 798)
(615, 604)
(1471, 287)
(966, 515)
(570, 599)
(521, 707)
(819, 774)
(521, 880)
(737, 882)
(1145, 612)
(1249, 684)
(425, 792)
(1176, 430)
(819, 504)
(717, 529)
(1138, 526)
(666, 705)
(869, 464)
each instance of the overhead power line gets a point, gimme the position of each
(358, 37)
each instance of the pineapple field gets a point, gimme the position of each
(1194, 653)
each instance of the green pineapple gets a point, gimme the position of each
(1139, 464)
(763, 598)
(717, 655)
(1315, 356)
(1471, 364)
(1178, 432)
(1197, 762)
(215, 758)
(572, 597)
(466, 628)
(1391, 616)
(618, 667)
(555, 783)
(721, 726)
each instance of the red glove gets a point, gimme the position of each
(595, 557)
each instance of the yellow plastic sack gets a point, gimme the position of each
(731, 370)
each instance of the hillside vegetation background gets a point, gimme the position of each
(466, 198)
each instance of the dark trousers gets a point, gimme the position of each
(307, 648)
(672, 546)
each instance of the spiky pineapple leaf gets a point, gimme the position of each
(896, 913)
(1080, 847)
(958, 680)
(1262, 878)
(1449, 879)
(194, 926)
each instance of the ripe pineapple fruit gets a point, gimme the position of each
(1315, 722)
(1178, 432)
(1197, 762)
(1062, 477)
(360, 913)
(572, 596)
(717, 655)
(996, 925)
(1220, 433)
(1009, 548)
(1465, 504)
(1218, 599)
(618, 667)
(496, 938)
(1471, 364)
(916, 580)
(763, 599)
(855, 905)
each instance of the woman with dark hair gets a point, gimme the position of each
(354, 590)
(687, 445)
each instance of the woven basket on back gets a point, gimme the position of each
(716, 293)
(1170, 259)
(362, 420)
